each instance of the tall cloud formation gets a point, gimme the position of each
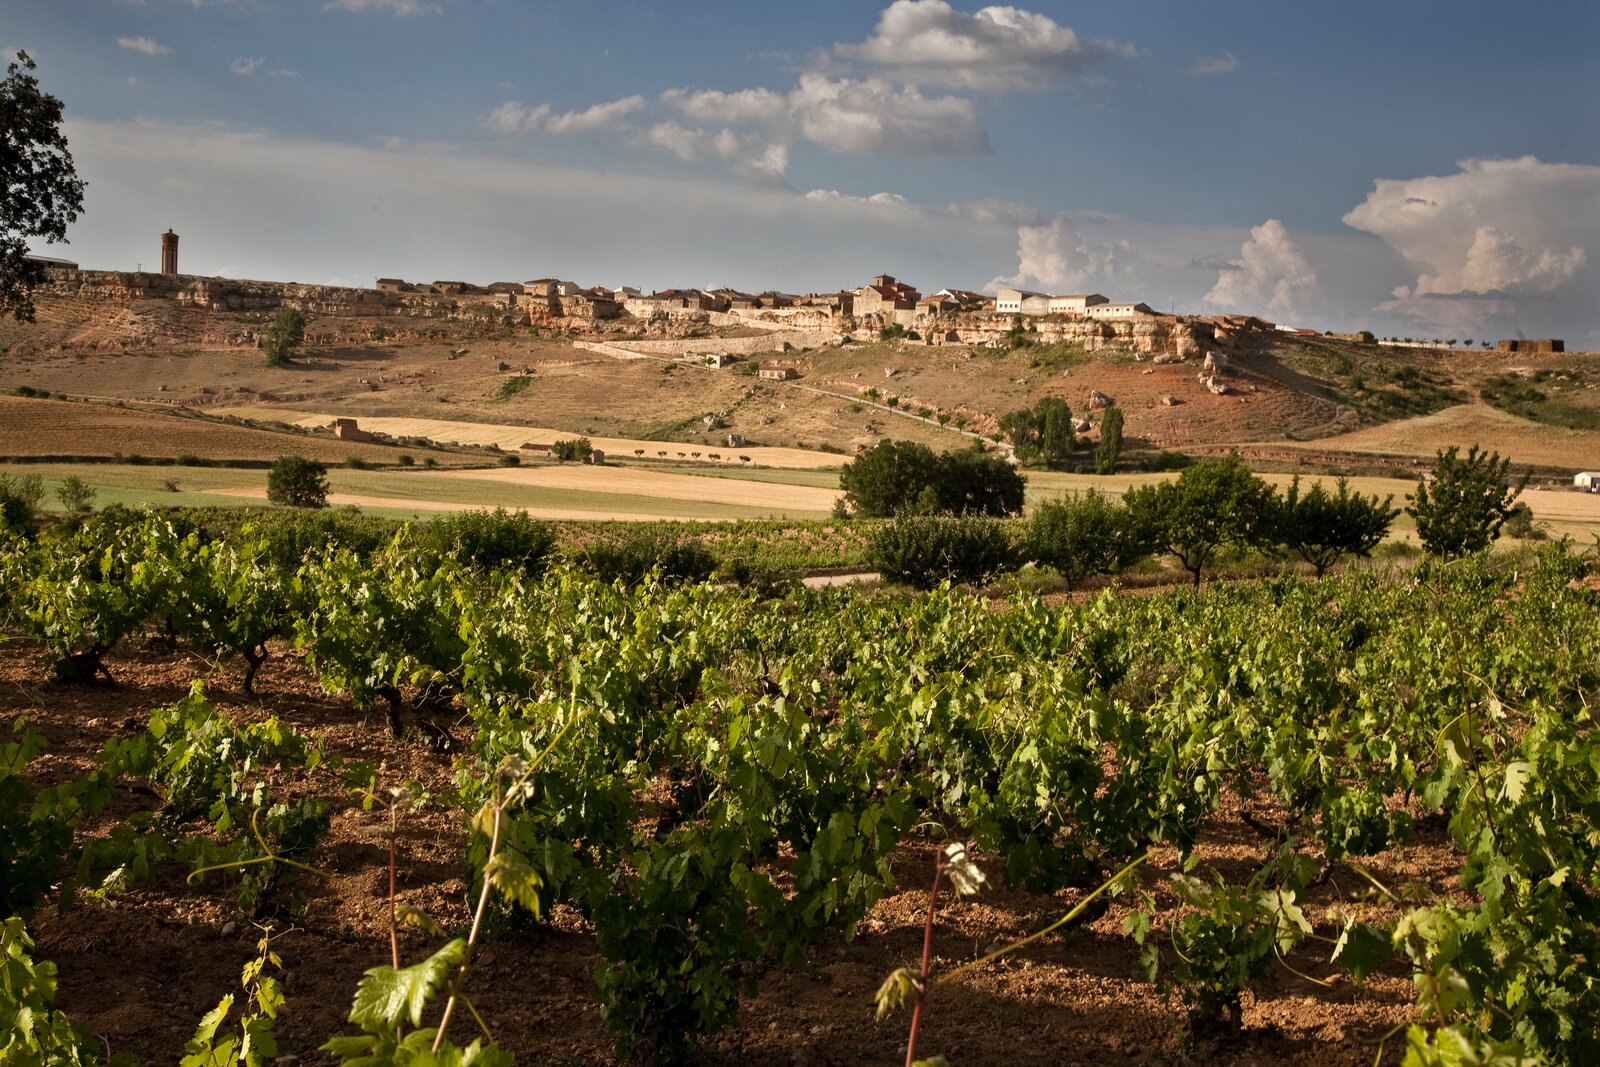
(1060, 257)
(930, 42)
(1271, 273)
(1501, 238)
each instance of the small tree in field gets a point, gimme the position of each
(1105, 459)
(298, 482)
(1080, 535)
(283, 337)
(1462, 507)
(1213, 503)
(1321, 527)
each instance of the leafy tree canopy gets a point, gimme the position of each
(284, 336)
(1083, 534)
(1462, 507)
(298, 482)
(1041, 433)
(1211, 504)
(906, 478)
(1322, 527)
(43, 192)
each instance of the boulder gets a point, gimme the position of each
(1098, 400)
(1170, 401)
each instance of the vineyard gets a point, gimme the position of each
(712, 792)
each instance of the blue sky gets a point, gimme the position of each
(1413, 168)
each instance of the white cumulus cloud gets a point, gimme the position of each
(245, 65)
(1059, 257)
(605, 116)
(1498, 234)
(930, 42)
(148, 45)
(513, 116)
(1224, 62)
(748, 154)
(848, 116)
(402, 8)
(1271, 274)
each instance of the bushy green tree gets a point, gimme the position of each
(890, 479)
(1322, 527)
(1213, 503)
(20, 497)
(1462, 507)
(906, 478)
(75, 494)
(1041, 433)
(1083, 534)
(285, 334)
(924, 550)
(43, 193)
(1105, 458)
(298, 482)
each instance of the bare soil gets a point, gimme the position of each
(141, 968)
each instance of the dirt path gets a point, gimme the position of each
(407, 504)
(511, 438)
(634, 482)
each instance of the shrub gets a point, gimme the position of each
(1083, 534)
(924, 550)
(496, 538)
(631, 557)
(298, 482)
(76, 495)
(355, 463)
(406, 459)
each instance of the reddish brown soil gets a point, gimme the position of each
(141, 968)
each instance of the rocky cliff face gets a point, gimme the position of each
(1182, 337)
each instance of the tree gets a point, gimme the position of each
(889, 479)
(1461, 508)
(924, 550)
(298, 482)
(906, 478)
(1083, 534)
(1321, 527)
(1105, 458)
(43, 192)
(284, 336)
(1212, 503)
(1042, 432)
(76, 495)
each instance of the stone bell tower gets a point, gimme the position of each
(169, 252)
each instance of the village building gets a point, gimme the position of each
(1117, 311)
(778, 372)
(1021, 301)
(394, 285)
(1075, 303)
(589, 304)
(1588, 481)
(347, 430)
